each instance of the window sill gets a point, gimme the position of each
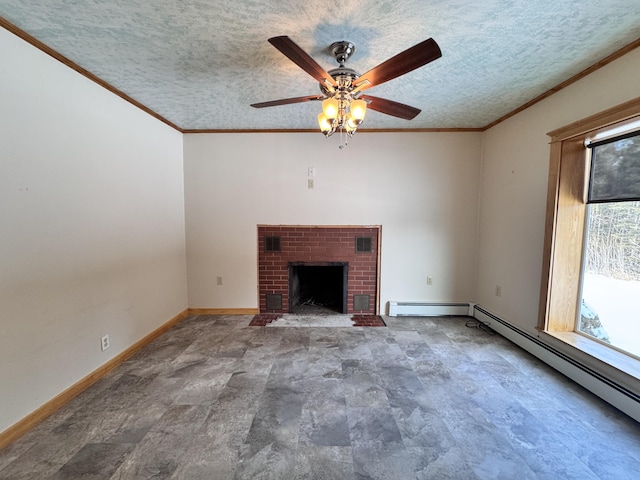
(598, 351)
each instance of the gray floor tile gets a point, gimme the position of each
(94, 461)
(423, 398)
(325, 427)
(324, 463)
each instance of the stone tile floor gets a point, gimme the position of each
(423, 398)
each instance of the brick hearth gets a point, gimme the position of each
(317, 246)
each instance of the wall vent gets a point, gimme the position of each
(274, 301)
(271, 244)
(363, 244)
(361, 302)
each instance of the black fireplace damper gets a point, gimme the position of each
(318, 288)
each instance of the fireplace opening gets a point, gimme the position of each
(318, 288)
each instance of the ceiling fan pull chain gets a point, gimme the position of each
(343, 139)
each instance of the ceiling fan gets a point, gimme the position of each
(343, 103)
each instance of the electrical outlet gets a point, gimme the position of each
(498, 290)
(310, 184)
(104, 342)
(429, 281)
(219, 280)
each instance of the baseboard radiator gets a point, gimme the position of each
(610, 391)
(425, 309)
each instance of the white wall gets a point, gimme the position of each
(421, 187)
(91, 226)
(514, 188)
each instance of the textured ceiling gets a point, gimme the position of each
(200, 63)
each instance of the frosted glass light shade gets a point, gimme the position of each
(358, 110)
(324, 123)
(350, 126)
(330, 107)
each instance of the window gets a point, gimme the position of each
(572, 216)
(611, 263)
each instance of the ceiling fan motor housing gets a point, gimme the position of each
(343, 76)
(342, 50)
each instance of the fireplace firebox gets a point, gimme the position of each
(318, 288)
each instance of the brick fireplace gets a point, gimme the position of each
(340, 262)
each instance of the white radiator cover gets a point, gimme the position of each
(617, 395)
(610, 391)
(425, 309)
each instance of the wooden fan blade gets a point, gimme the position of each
(301, 58)
(287, 101)
(404, 62)
(390, 107)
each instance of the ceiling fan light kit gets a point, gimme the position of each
(343, 104)
(341, 109)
